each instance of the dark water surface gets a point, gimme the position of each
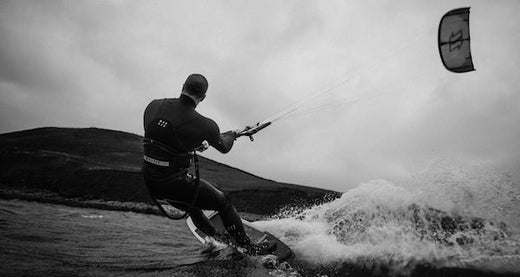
(46, 239)
(376, 229)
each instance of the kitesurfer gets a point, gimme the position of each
(173, 129)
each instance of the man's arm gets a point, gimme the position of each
(222, 142)
(226, 142)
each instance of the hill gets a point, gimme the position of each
(98, 167)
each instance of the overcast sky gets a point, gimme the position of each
(99, 63)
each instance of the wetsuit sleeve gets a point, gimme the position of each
(222, 142)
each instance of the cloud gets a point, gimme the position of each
(90, 63)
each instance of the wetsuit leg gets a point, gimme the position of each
(212, 198)
(202, 222)
(234, 225)
(182, 190)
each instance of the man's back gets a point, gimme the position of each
(175, 123)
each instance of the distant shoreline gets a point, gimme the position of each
(53, 198)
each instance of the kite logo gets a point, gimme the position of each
(456, 40)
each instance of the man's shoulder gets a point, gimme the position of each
(208, 122)
(154, 102)
(159, 100)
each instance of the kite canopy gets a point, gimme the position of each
(454, 41)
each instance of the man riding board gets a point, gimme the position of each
(173, 129)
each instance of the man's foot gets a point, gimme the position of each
(261, 248)
(222, 238)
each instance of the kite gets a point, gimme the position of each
(454, 41)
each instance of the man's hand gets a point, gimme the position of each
(232, 133)
(251, 130)
(203, 147)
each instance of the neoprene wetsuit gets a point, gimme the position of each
(172, 129)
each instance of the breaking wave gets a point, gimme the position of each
(444, 217)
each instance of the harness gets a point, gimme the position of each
(171, 202)
(161, 155)
(175, 162)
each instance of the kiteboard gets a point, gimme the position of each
(281, 254)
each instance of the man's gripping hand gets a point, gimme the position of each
(232, 133)
(203, 147)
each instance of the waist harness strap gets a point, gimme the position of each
(156, 162)
(157, 153)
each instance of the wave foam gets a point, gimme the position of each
(381, 223)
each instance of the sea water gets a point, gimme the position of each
(448, 216)
(445, 220)
(53, 240)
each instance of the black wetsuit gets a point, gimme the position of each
(172, 129)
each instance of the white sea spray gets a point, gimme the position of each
(401, 226)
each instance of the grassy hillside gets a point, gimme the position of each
(103, 165)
